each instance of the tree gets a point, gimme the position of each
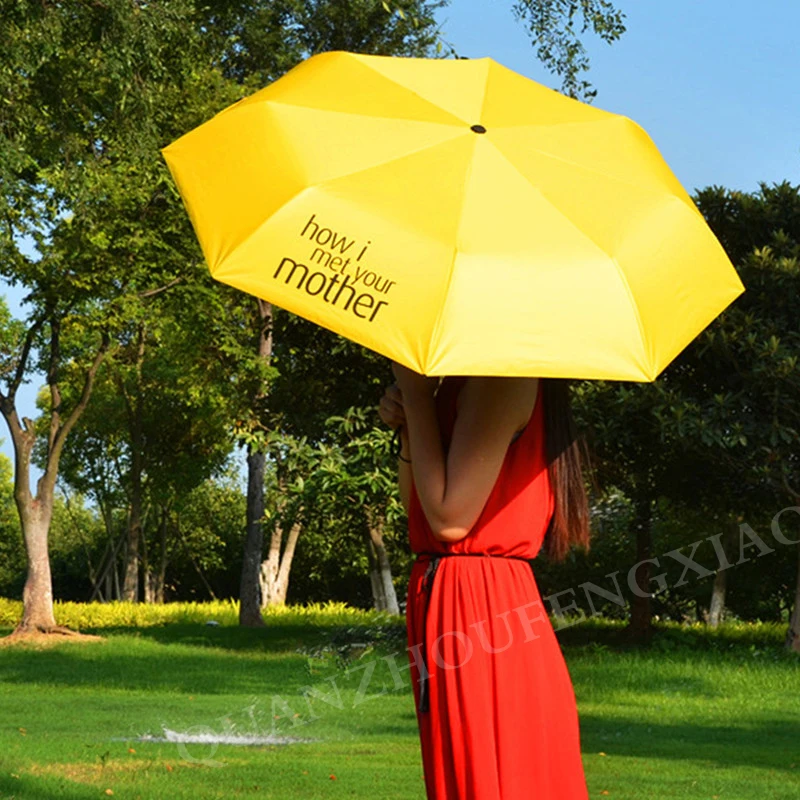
(45, 332)
(355, 482)
(89, 88)
(551, 24)
(162, 415)
(749, 362)
(625, 437)
(719, 428)
(291, 464)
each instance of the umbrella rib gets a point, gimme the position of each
(436, 333)
(345, 112)
(408, 89)
(459, 131)
(587, 167)
(485, 90)
(456, 119)
(645, 343)
(437, 326)
(636, 313)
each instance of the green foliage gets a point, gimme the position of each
(356, 470)
(77, 539)
(337, 487)
(738, 382)
(12, 552)
(551, 24)
(12, 335)
(206, 529)
(714, 438)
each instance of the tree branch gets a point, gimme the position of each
(795, 494)
(58, 441)
(52, 381)
(23, 361)
(154, 292)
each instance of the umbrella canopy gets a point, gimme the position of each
(456, 217)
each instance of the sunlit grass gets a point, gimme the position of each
(698, 714)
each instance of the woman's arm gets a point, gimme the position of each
(390, 410)
(454, 490)
(404, 470)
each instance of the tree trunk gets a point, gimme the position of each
(130, 588)
(149, 586)
(109, 557)
(793, 634)
(103, 576)
(378, 596)
(37, 596)
(380, 569)
(130, 585)
(640, 627)
(109, 572)
(716, 609)
(268, 576)
(250, 592)
(154, 574)
(161, 576)
(117, 587)
(275, 584)
(146, 571)
(35, 514)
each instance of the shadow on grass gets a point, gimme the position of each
(272, 638)
(27, 787)
(766, 744)
(667, 636)
(193, 659)
(176, 665)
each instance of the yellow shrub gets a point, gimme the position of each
(80, 616)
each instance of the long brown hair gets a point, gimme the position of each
(567, 459)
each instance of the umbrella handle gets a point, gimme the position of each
(397, 444)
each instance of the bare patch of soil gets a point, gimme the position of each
(100, 773)
(40, 639)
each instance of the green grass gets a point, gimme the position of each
(697, 715)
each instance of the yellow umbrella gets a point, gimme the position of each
(456, 217)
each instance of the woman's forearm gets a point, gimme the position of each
(404, 470)
(428, 464)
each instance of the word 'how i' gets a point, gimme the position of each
(332, 243)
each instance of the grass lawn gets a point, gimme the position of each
(692, 716)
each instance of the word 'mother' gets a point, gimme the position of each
(332, 289)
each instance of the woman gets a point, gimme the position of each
(489, 468)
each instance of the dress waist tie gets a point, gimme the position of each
(427, 584)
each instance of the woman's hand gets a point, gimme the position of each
(390, 408)
(412, 384)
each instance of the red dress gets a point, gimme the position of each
(502, 722)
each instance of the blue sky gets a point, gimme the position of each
(714, 84)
